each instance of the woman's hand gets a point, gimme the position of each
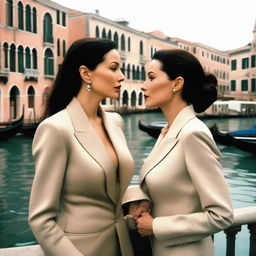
(138, 207)
(145, 224)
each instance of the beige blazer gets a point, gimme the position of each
(75, 205)
(183, 178)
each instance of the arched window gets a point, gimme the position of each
(138, 73)
(28, 18)
(48, 62)
(34, 13)
(123, 68)
(123, 42)
(48, 28)
(141, 47)
(63, 48)
(20, 16)
(12, 58)
(14, 102)
(151, 52)
(34, 57)
(31, 97)
(140, 98)
(116, 40)
(125, 98)
(103, 102)
(6, 55)
(103, 34)
(46, 95)
(133, 73)
(128, 71)
(20, 59)
(58, 47)
(28, 58)
(9, 13)
(109, 35)
(133, 99)
(129, 44)
(143, 73)
(97, 32)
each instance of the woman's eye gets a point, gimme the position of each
(150, 78)
(113, 68)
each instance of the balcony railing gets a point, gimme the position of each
(31, 74)
(242, 216)
(4, 72)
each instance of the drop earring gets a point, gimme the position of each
(88, 86)
(174, 90)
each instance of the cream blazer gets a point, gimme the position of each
(75, 205)
(183, 178)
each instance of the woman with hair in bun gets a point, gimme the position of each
(182, 177)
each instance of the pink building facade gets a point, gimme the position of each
(33, 41)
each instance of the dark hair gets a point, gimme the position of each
(199, 89)
(86, 51)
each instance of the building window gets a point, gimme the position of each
(253, 61)
(129, 44)
(64, 19)
(123, 42)
(128, 71)
(143, 73)
(20, 16)
(109, 35)
(141, 48)
(58, 16)
(133, 73)
(63, 48)
(28, 18)
(58, 47)
(9, 13)
(253, 84)
(244, 85)
(5, 55)
(28, 58)
(34, 20)
(31, 97)
(233, 85)
(48, 28)
(97, 32)
(12, 58)
(138, 73)
(245, 63)
(123, 68)
(233, 64)
(116, 40)
(34, 57)
(20, 59)
(48, 62)
(104, 34)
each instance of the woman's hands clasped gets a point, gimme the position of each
(139, 210)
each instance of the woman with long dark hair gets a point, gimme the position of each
(83, 165)
(182, 176)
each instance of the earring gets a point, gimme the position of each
(88, 86)
(174, 90)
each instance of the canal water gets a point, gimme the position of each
(17, 170)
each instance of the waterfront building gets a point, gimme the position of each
(33, 41)
(34, 36)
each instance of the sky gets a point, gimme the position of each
(221, 24)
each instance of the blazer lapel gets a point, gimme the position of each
(126, 164)
(90, 141)
(164, 145)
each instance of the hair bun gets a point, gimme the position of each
(208, 93)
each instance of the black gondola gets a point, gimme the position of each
(12, 128)
(29, 130)
(152, 130)
(228, 140)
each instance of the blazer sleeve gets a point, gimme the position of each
(50, 154)
(201, 156)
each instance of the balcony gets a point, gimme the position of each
(4, 72)
(123, 55)
(31, 74)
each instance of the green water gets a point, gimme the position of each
(17, 170)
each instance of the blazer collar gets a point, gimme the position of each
(165, 144)
(90, 141)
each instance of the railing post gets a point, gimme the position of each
(252, 229)
(231, 237)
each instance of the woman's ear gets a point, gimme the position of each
(84, 73)
(178, 83)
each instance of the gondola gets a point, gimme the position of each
(12, 128)
(247, 144)
(29, 130)
(153, 129)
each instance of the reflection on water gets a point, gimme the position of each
(17, 170)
